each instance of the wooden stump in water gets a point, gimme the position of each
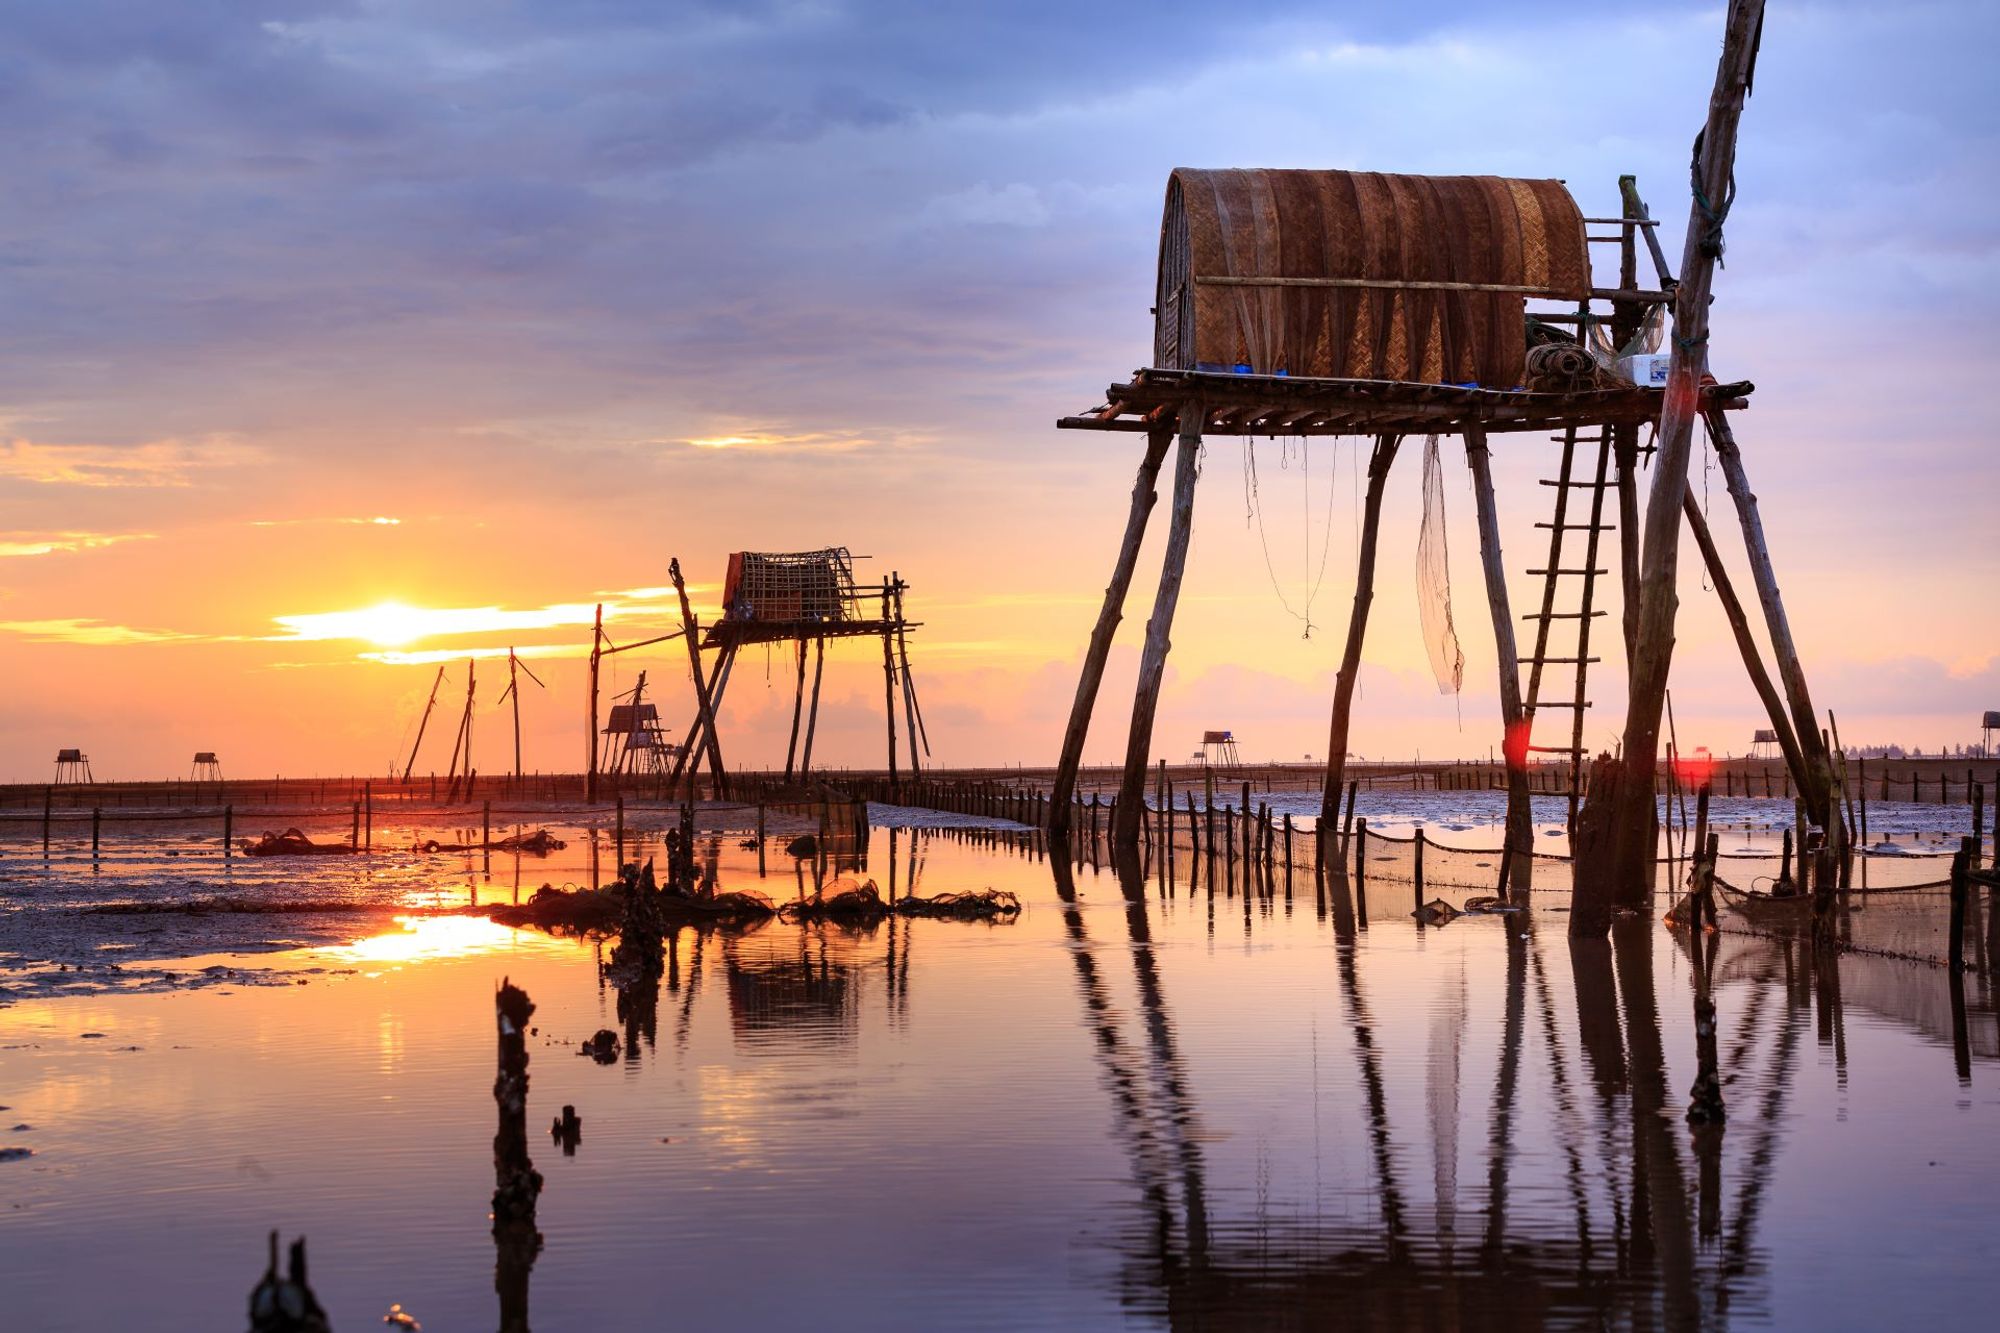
(1594, 855)
(516, 1183)
(286, 1304)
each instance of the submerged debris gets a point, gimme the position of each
(567, 1130)
(804, 847)
(601, 1046)
(539, 843)
(293, 843)
(1436, 912)
(863, 905)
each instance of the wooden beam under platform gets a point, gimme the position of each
(1289, 405)
(743, 633)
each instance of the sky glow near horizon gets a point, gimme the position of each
(346, 340)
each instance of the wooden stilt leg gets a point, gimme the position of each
(798, 708)
(1357, 630)
(910, 724)
(1815, 778)
(1145, 492)
(812, 712)
(1518, 870)
(1153, 660)
(1753, 661)
(691, 627)
(889, 690)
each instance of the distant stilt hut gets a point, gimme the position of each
(803, 598)
(72, 768)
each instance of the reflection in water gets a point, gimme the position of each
(1496, 1135)
(1647, 1232)
(1644, 1260)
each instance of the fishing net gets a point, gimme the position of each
(1434, 580)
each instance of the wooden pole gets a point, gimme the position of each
(911, 725)
(812, 713)
(424, 721)
(1814, 781)
(596, 653)
(1622, 860)
(1417, 876)
(889, 690)
(1739, 624)
(1357, 628)
(514, 693)
(798, 710)
(1145, 492)
(690, 631)
(1153, 659)
(1517, 870)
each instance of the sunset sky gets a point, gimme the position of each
(341, 339)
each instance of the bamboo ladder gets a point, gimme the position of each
(1583, 612)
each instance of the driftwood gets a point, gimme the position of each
(293, 843)
(539, 843)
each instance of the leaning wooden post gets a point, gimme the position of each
(1159, 628)
(812, 712)
(228, 830)
(690, 631)
(1357, 628)
(1746, 644)
(798, 710)
(1145, 492)
(1517, 872)
(1622, 861)
(1814, 782)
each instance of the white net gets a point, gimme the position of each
(1434, 580)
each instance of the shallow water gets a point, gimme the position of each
(1121, 1110)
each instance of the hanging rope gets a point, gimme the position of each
(1253, 513)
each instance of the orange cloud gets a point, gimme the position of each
(63, 543)
(94, 632)
(157, 463)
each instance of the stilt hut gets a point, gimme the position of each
(1302, 303)
(801, 598)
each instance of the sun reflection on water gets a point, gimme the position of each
(417, 938)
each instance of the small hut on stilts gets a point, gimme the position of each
(801, 598)
(1313, 303)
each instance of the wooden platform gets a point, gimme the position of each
(737, 633)
(1286, 405)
